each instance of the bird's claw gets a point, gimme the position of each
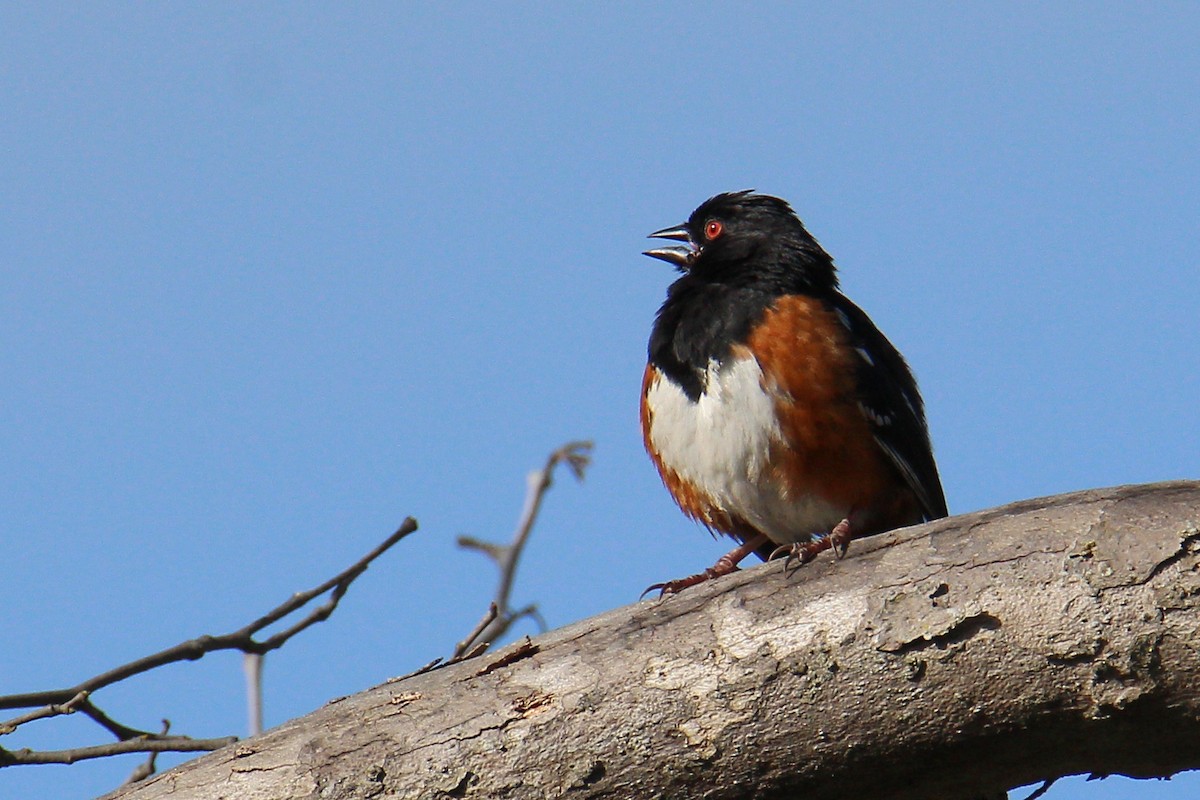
(676, 586)
(837, 540)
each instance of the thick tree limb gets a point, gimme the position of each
(957, 658)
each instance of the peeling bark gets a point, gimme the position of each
(953, 659)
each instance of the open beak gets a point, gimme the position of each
(679, 255)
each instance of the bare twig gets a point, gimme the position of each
(147, 768)
(153, 743)
(432, 665)
(109, 724)
(487, 619)
(131, 740)
(500, 616)
(252, 664)
(52, 710)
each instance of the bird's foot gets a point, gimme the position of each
(725, 565)
(837, 540)
(678, 585)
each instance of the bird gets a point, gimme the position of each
(773, 408)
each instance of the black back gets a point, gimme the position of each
(890, 401)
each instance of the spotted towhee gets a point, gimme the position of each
(774, 409)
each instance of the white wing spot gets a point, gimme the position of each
(882, 420)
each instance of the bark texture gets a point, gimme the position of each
(949, 660)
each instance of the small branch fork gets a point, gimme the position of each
(500, 615)
(77, 699)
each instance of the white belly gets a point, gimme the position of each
(721, 444)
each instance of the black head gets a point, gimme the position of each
(741, 236)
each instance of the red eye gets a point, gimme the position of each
(712, 229)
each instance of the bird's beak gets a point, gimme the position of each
(681, 255)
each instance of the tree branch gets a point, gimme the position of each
(252, 665)
(953, 659)
(147, 767)
(79, 698)
(51, 710)
(155, 743)
(500, 616)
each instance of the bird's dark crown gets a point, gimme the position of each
(741, 253)
(743, 236)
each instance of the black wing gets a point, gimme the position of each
(891, 402)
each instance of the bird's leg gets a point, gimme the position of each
(725, 564)
(837, 540)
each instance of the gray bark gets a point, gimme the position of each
(953, 659)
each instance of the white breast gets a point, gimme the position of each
(721, 444)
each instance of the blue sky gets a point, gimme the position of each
(276, 276)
